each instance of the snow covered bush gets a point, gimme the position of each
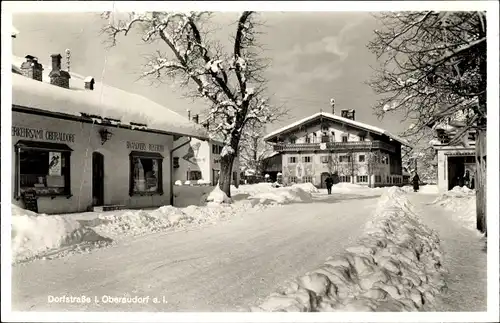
(34, 234)
(461, 201)
(395, 267)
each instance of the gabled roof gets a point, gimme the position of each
(104, 101)
(337, 118)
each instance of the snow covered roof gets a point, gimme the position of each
(104, 101)
(269, 154)
(334, 117)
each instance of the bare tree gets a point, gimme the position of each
(433, 69)
(253, 149)
(231, 81)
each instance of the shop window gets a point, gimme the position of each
(193, 175)
(292, 179)
(43, 168)
(145, 173)
(378, 179)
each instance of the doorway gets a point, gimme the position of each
(323, 179)
(97, 179)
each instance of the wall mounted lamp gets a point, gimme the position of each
(105, 135)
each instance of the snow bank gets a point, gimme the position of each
(218, 196)
(461, 201)
(139, 222)
(395, 267)
(350, 188)
(34, 234)
(308, 187)
(282, 195)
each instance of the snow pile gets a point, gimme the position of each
(252, 189)
(395, 267)
(308, 187)
(350, 188)
(140, 222)
(178, 183)
(282, 195)
(461, 201)
(35, 234)
(218, 196)
(203, 182)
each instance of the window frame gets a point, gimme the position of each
(290, 159)
(145, 155)
(324, 159)
(305, 158)
(361, 178)
(345, 138)
(359, 158)
(44, 146)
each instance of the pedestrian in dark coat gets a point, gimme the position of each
(416, 181)
(329, 184)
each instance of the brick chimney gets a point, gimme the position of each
(89, 83)
(31, 68)
(348, 114)
(57, 76)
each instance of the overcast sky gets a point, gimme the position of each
(315, 56)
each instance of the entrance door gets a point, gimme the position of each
(323, 178)
(97, 179)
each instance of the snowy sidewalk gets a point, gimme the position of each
(464, 258)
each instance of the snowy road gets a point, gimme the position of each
(226, 267)
(464, 258)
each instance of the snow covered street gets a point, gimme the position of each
(464, 258)
(227, 267)
(239, 262)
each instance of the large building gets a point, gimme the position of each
(326, 143)
(456, 161)
(79, 144)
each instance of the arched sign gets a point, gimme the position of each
(322, 146)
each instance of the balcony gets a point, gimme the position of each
(335, 146)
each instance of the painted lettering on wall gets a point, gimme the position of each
(134, 145)
(42, 134)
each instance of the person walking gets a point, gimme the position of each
(416, 181)
(329, 184)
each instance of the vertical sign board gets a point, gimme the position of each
(30, 201)
(55, 163)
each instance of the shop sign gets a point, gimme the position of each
(134, 145)
(42, 134)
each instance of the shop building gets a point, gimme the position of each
(328, 144)
(79, 144)
(456, 161)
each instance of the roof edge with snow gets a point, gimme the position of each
(334, 117)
